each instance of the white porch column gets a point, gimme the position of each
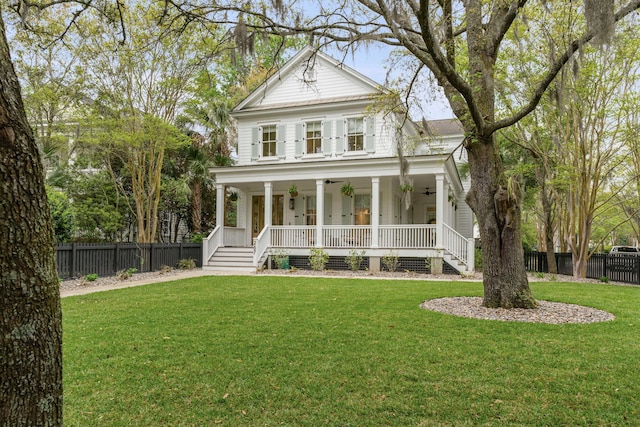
(268, 218)
(441, 200)
(319, 213)
(220, 211)
(447, 204)
(375, 210)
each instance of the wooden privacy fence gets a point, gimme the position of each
(79, 259)
(618, 268)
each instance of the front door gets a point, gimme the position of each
(257, 213)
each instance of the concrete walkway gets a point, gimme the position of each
(148, 279)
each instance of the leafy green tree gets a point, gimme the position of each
(139, 83)
(53, 82)
(61, 214)
(100, 212)
(135, 148)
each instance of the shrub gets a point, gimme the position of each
(196, 238)
(90, 277)
(390, 261)
(165, 269)
(281, 258)
(478, 259)
(604, 279)
(540, 275)
(126, 274)
(318, 259)
(354, 259)
(122, 275)
(186, 264)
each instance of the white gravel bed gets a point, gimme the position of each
(547, 312)
(82, 283)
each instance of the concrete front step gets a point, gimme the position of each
(232, 259)
(234, 269)
(456, 263)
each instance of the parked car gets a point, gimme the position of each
(625, 250)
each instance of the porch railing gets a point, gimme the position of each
(346, 236)
(458, 245)
(408, 236)
(401, 236)
(210, 244)
(234, 236)
(293, 236)
(261, 244)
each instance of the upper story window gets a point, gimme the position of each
(314, 137)
(355, 134)
(268, 141)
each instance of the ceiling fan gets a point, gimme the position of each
(428, 193)
(328, 181)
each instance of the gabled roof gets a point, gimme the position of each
(266, 96)
(443, 127)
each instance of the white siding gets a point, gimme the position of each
(384, 144)
(464, 220)
(330, 83)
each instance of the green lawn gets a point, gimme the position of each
(291, 351)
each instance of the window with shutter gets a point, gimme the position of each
(269, 141)
(299, 149)
(281, 138)
(340, 136)
(370, 134)
(255, 142)
(326, 137)
(355, 134)
(313, 135)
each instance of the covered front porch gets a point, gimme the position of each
(372, 219)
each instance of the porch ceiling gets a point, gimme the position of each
(337, 172)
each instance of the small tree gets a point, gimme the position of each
(390, 261)
(354, 259)
(318, 259)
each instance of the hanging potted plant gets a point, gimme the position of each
(293, 190)
(347, 189)
(406, 188)
(233, 196)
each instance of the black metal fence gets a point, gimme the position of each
(618, 268)
(79, 259)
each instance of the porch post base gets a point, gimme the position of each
(374, 264)
(436, 265)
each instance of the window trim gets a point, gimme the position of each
(360, 134)
(270, 142)
(319, 138)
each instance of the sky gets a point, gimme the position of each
(371, 62)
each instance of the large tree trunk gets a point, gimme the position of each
(30, 315)
(498, 212)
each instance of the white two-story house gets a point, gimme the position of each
(313, 127)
